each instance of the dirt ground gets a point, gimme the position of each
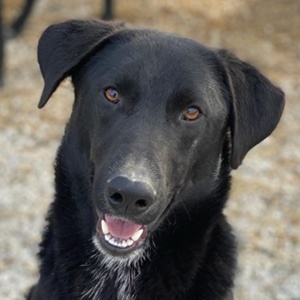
(264, 206)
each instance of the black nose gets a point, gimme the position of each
(129, 197)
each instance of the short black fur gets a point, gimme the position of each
(189, 251)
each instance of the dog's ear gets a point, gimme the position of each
(63, 46)
(257, 105)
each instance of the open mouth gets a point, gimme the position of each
(119, 235)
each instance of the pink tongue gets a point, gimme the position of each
(120, 228)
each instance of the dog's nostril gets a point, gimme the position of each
(141, 203)
(117, 197)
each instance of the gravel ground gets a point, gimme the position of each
(264, 205)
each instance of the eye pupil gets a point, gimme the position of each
(111, 94)
(191, 113)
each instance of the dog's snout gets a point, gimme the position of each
(127, 196)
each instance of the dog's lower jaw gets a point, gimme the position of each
(129, 258)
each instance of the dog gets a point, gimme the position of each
(143, 171)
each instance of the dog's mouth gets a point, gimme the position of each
(120, 236)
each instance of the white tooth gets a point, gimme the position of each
(124, 244)
(107, 237)
(104, 227)
(137, 235)
(130, 242)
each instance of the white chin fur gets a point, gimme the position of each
(126, 269)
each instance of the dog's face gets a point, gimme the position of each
(152, 112)
(156, 114)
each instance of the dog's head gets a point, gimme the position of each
(152, 112)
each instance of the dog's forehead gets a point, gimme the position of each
(153, 57)
(150, 52)
(159, 47)
(156, 40)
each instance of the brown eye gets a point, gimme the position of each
(112, 94)
(192, 113)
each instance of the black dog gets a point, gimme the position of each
(143, 171)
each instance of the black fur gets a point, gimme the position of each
(190, 251)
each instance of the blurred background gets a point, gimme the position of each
(264, 205)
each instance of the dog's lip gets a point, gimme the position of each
(119, 235)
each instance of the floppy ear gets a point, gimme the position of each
(63, 46)
(257, 105)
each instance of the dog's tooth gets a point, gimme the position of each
(104, 227)
(124, 244)
(129, 242)
(106, 237)
(137, 235)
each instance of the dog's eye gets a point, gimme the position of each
(192, 113)
(111, 94)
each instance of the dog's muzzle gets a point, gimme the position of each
(128, 200)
